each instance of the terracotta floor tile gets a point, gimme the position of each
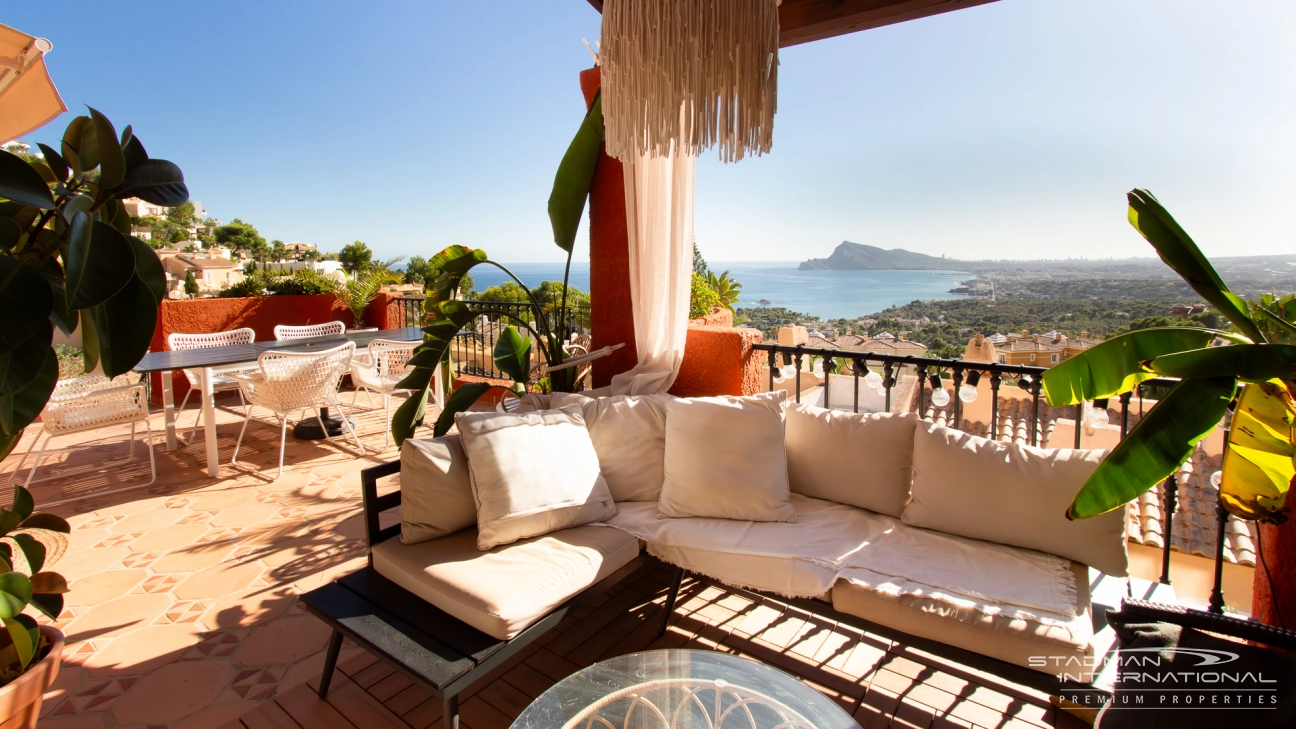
(193, 557)
(69, 680)
(241, 516)
(140, 559)
(84, 721)
(218, 581)
(285, 640)
(118, 616)
(215, 717)
(249, 608)
(168, 538)
(99, 588)
(88, 562)
(144, 650)
(173, 692)
(225, 498)
(84, 537)
(147, 521)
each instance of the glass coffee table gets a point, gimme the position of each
(682, 689)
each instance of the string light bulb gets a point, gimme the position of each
(968, 391)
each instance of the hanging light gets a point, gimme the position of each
(1216, 479)
(818, 369)
(1097, 415)
(871, 378)
(968, 392)
(1024, 382)
(939, 397)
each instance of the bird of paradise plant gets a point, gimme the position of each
(1260, 459)
(445, 316)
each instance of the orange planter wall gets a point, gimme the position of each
(261, 313)
(719, 360)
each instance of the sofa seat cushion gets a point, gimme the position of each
(505, 589)
(1020, 637)
(829, 541)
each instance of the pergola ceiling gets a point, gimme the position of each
(802, 21)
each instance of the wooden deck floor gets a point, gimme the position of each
(879, 682)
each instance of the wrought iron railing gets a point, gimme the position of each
(890, 368)
(473, 348)
(409, 309)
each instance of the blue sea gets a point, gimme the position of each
(825, 294)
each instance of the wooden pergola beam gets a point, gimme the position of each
(802, 21)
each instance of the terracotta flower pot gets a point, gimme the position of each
(20, 700)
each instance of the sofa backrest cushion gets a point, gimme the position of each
(1011, 494)
(532, 473)
(629, 435)
(725, 458)
(858, 459)
(436, 491)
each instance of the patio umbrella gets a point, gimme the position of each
(28, 98)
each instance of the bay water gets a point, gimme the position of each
(825, 294)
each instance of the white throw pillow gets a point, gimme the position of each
(532, 473)
(436, 491)
(1011, 494)
(725, 458)
(629, 435)
(858, 459)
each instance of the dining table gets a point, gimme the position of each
(211, 361)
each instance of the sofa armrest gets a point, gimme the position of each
(374, 505)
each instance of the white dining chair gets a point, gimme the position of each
(90, 403)
(381, 369)
(221, 381)
(287, 382)
(331, 329)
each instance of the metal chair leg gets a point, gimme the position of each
(330, 662)
(40, 456)
(387, 423)
(246, 419)
(23, 460)
(670, 601)
(450, 712)
(283, 441)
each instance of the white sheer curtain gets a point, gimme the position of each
(659, 218)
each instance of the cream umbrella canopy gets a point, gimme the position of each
(28, 98)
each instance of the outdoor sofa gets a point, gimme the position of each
(934, 534)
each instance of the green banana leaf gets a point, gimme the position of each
(575, 175)
(1160, 442)
(1247, 362)
(1260, 461)
(1116, 365)
(512, 354)
(1180, 253)
(462, 399)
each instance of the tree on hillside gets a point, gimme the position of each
(355, 257)
(190, 283)
(507, 292)
(238, 236)
(278, 251)
(310, 254)
(699, 263)
(182, 215)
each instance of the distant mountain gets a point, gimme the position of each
(859, 257)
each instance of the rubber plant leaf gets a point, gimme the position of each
(55, 162)
(1180, 253)
(49, 583)
(22, 364)
(1116, 365)
(25, 299)
(100, 262)
(575, 174)
(124, 327)
(21, 182)
(155, 180)
(1156, 447)
(15, 591)
(32, 550)
(462, 399)
(44, 520)
(23, 503)
(512, 354)
(1260, 461)
(22, 642)
(1247, 362)
(112, 164)
(20, 409)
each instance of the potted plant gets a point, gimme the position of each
(1254, 376)
(356, 293)
(547, 325)
(67, 260)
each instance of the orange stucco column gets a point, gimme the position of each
(611, 310)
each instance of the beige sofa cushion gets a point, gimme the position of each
(859, 459)
(1011, 494)
(502, 591)
(532, 473)
(1007, 636)
(725, 458)
(436, 492)
(629, 435)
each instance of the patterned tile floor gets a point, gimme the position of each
(184, 608)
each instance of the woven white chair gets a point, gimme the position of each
(290, 381)
(90, 403)
(380, 370)
(331, 329)
(221, 382)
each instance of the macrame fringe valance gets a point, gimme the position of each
(699, 73)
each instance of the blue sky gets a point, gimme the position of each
(1009, 130)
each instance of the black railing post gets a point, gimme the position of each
(958, 401)
(797, 364)
(828, 366)
(1217, 591)
(1125, 401)
(1079, 422)
(888, 381)
(995, 381)
(1169, 503)
(773, 365)
(922, 391)
(855, 368)
(1035, 394)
